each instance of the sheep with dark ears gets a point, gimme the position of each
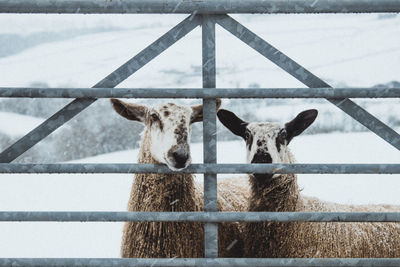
(267, 142)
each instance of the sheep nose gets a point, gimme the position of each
(262, 158)
(180, 157)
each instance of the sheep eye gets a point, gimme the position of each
(282, 135)
(246, 135)
(154, 117)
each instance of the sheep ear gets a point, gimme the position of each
(197, 114)
(130, 111)
(232, 122)
(302, 121)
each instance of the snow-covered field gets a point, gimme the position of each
(357, 50)
(109, 192)
(14, 124)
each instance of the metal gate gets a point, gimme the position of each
(205, 13)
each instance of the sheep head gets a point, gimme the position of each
(267, 142)
(169, 126)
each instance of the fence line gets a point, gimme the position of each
(211, 168)
(332, 93)
(199, 7)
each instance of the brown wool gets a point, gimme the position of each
(177, 192)
(326, 239)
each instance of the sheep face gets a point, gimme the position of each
(170, 131)
(169, 126)
(266, 142)
(262, 143)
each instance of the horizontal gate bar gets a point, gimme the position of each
(197, 93)
(200, 7)
(201, 168)
(45, 262)
(211, 217)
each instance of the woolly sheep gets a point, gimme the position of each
(166, 140)
(267, 143)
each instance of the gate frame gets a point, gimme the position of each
(205, 14)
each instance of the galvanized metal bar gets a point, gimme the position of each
(207, 168)
(309, 79)
(201, 7)
(209, 134)
(206, 217)
(112, 80)
(196, 93)
(245, 262)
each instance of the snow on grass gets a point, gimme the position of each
(354, 50)
(88, 59)
(15, 125)
(348, 148)
(24, 24)
(357, 50)
(106, 192)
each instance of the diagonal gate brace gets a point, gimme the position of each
(112, 80)
(309, 79)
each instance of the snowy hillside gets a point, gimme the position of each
(17, 125)
(355, 50)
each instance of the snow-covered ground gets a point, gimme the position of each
(14, 124)
(110, 192)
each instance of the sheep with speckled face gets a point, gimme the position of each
(166, 140)
(267, 142)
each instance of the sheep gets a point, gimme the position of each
(267, 142)
(166, 140)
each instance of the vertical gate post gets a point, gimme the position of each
(209, 135)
